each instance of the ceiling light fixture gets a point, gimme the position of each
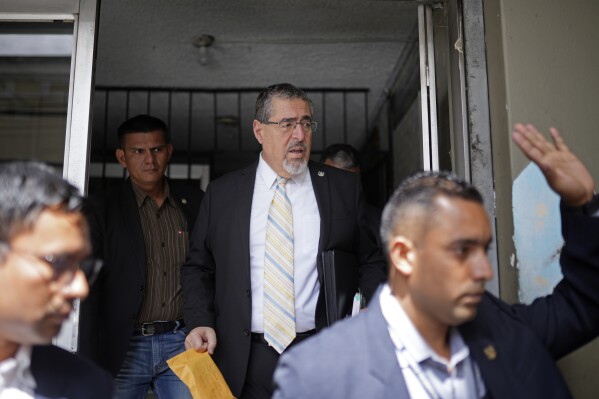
(203, 42)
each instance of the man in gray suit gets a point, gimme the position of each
(44, 268)
(433, 331)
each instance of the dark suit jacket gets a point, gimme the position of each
(108, 315)
(356, 358)
(61, 374)
(216, 276)
(373, 215)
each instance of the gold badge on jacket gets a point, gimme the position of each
(490, 352)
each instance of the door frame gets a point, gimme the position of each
(466, 75)
(84, 15)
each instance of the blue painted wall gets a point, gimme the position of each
(537, 236)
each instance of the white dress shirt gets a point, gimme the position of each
(306, 235)
(16, 380)
(457, 378)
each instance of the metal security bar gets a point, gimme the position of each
(211, 129)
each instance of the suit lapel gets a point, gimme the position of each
(244, 193)
(383, 365)
(320, 184)
(132, 224)
(485, 351)
(182, 202)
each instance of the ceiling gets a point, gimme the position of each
(312, 44)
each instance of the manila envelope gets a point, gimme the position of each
(198, 371)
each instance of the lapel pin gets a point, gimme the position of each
(490, 352)
(184, 200)
(320, 173)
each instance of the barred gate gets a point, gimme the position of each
(211, 129)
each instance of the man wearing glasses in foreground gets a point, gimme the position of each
(44, 263)
(252, 279)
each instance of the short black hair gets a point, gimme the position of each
(281, 90)
(342, 155)
(26, 190)
(142, 124)
(420, 190)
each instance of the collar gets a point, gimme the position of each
(404, 334)
(141, 195)
(268, 177)
(18, 368)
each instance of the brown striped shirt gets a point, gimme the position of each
(165, 236)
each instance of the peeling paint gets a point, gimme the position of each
(476, 143)
(537, 234)
(541, 281)
(459, 45)
(541, 210)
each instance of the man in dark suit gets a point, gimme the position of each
(227, 278)
(346, 157)
(433, 331)
(44, 262)
(132, 322)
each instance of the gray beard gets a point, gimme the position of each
(295, 168)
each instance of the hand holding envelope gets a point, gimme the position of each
(198, 371)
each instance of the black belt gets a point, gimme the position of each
(259, 337)
(158, 327)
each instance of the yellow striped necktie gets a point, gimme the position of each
(279, 295)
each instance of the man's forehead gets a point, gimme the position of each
(156, 137)
(451, 214)
(460, 216)
(281, 106)
(55, 226)
(458, 206)
(60, 216)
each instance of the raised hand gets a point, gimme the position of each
(565, 173)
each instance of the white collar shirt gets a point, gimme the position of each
(306, 236)
(16, 379)
(427, 374)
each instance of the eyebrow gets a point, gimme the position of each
(301, 119)
(143, 148)
(472, 241)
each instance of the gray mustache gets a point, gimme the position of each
(297, 144)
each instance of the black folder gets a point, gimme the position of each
(340, 278)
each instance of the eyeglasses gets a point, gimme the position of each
(63, 267)
(289, 126)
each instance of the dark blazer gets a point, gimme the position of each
(61, 374)
(108, 315)
(515, 347)
(373, 215)
(216, 276)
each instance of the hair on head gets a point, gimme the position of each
(285, 91)
(142, 124)
(420, 191)
(26, 190)
(341, 155)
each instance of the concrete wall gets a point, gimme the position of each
(543, 69)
